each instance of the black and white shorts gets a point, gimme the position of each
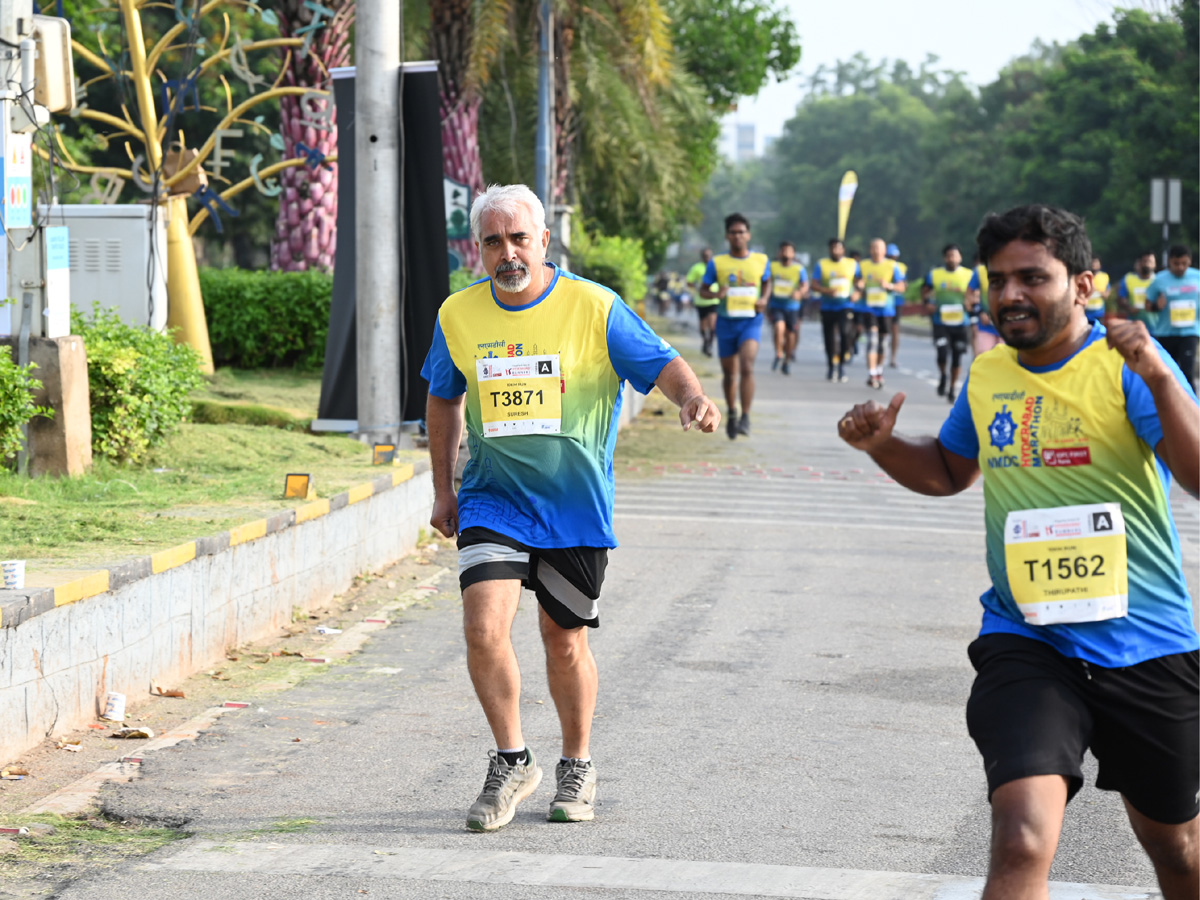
(566, 580)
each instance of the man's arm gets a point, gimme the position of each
(920, 464)
(444, 423)
(680, 385)
(1178, 413)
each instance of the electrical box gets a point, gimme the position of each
(118, 256)
(54, 69)
(41, 268)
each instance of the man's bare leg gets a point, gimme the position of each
(571, 672)
(1027, 818)
(1175, 852)
(746, 355)
(488, 611)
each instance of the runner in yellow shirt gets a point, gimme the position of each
(706, 308)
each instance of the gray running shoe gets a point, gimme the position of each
(504, 788)
(576, 797)
(744, 424)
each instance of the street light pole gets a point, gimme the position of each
(545, 124)
(377, 219)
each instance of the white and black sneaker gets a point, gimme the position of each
(576, 797)
(505, 786)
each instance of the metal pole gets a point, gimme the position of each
(545, 125)
(377, 221)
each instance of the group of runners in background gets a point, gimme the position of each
(859, 302)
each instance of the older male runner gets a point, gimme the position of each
(1087, 638)
(540, 356)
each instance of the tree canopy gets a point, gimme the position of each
(1084, 126)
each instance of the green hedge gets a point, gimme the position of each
(267, 319)
(615, 262)
(139, 382)
(16, 403)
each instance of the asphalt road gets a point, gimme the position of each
(783, 678)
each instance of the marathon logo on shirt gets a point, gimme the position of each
(1031, 420)
(508, 350)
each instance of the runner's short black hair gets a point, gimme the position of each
(735, 219)
(1058, 230)
(783, 244)
(1177, 251)
(950, 247)
(833, 241)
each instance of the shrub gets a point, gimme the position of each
(16, 403)
(615, 262)
(461, 278)
(139, 383)
(267, 319)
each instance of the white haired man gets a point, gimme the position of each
(539, 356)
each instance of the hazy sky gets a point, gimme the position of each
(969, 36)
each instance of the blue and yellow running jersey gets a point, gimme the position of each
(875, 275)
(1072, 445)
(1180, 315)
(1132, 290)
(1098, 298)
(785, 280)
(841, 276)
(543, 384)
(743, 278)
(949, 295)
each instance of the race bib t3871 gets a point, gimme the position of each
(520, 395)
(1068, 564)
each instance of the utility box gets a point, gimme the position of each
(118, 256)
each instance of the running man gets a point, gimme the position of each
(882, 278)
(1175, 296)
(892, 315)
(536, 503)
(741, 281)
(706, 309)
(986, 335)
(837, 279)
(1087, 637)
(789, 284)
(1098, 299)
(1131, 291)
(948, 286)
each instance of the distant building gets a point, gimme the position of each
(745, 142)
(769, 142)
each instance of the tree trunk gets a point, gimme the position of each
(306, 227)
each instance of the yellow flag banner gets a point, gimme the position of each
(845, 198)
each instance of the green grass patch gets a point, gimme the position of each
(205, 479)
(210, 412)
(288, 390)
(76, 847)
(289, 826)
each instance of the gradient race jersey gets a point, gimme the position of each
(949, 295)
(898, 297)
(1081, 546)
(784, 282)
(840, 276)
(1098, 297)
(743, 278)
(1132, 290)
(1178, 317)
(875, 275)
(695, 275)
(979, 282)
(543, 385)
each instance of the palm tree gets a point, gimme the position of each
(306, 226)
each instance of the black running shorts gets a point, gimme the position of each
(566, 581)
(789, 317)
(1034, 711)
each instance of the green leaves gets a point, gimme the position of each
(266, 319)
(733, 47)
(17, 385)
(139, 383)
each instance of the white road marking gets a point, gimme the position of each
(597, 872)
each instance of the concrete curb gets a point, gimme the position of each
(159, 618)
(17, 606)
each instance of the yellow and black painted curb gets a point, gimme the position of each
(17, 606)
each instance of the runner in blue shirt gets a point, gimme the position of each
(1174, 295)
